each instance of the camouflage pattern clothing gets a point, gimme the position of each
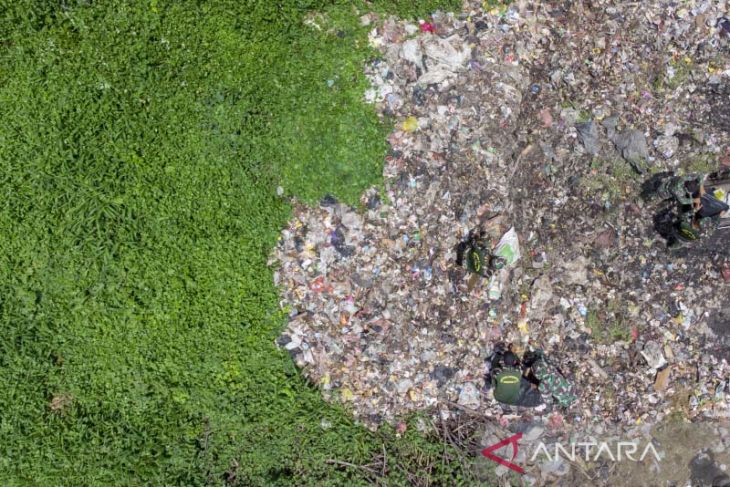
(692, 224)
(553, 384)
(675, 187)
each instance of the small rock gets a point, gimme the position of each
(666, 146)
(588, 135)
(469, 395)
(632, 146)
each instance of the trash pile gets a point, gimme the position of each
(537, 122)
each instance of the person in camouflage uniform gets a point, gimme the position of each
(527, 383)
(697, 210)
(687, 192)
(552, 384)
(476, 253)
(684, 189)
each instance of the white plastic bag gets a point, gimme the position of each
(509, 247)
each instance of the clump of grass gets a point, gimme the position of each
(703, 163)
(140, 150)
(681, 72)
(611, 180)
(620, 331)
(592, 322)
(607, 330)
(583, 117)
(496, 4)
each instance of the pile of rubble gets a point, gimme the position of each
(544, 119)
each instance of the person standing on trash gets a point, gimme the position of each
(696, 207)
(506, 377)
(552, 384)
(476, 252)
(687, 191)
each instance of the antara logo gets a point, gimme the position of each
(487, 452)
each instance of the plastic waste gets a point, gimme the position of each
(509, 247)
(427, 27)
(410, 124)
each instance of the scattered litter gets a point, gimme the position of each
(427, 27)
(509, 247)
(652, 353)
(540, 126)
(410, 124)
(662, 379)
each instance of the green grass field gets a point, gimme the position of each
(140, 147)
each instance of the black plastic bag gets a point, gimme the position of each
(711, 206)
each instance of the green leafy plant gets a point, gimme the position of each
(140, 151)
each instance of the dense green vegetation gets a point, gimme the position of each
(140, 147)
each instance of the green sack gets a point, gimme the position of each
(507, 386)
(477, 260)
(687, 232)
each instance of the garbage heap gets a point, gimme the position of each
(540, 121)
